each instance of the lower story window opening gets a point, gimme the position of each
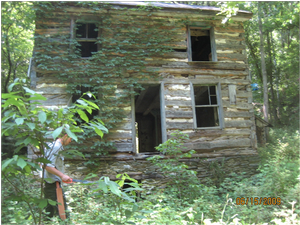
(207, 106)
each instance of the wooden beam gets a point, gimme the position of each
(163, 113)
(152, 105)
(140, 98)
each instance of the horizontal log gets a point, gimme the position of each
(178, 103)
(236, 81)
(239, 94)
(115, 135)
(179, 114)
(202, 71)
(220, 38)
(123, 147)
(241, 142)
(240, 114)
(179, 126)
(178, 93)
(58, 31)
(229, 29)
(51, 90)
(236, 47)
(177, 55)
(56, 100)
(239, 123)
(232, 56)
(239, 105)
(217, 65)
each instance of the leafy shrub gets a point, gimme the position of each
(182, 181)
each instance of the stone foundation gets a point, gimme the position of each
(150, 176)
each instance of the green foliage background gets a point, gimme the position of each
(279, 170)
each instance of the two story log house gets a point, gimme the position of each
(202, 86)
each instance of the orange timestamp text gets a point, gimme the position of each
(258, 201)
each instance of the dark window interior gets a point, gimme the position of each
(200, 44)
(86, 48)
(80, 90)
(148, 119)
(87, 33)
(86, 30)
(206, 106)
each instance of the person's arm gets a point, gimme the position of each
(56, 172)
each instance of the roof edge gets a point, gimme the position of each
(175, 6)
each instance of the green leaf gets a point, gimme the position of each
(42, 117)
(128, 213)
(12, 102)
(10, 95)
(98, 126)
(31, 125)
(43, 203)
(99, 132)
(6, 163)
(57, 132)
(37, 97)
(51, 202)
(81, 102)
(71, 134)
(117, 223)
(114, 187)
(102, 186)
(91, 103)
(19, 121)
(69, 153)
(10, 87)
(60, 113)
(29, 90)
(27, 169)
(83, 115)
(27, 141)
(42, 160)
(21, 163)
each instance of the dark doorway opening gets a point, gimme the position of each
(148, 119)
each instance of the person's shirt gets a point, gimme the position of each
(52, 153)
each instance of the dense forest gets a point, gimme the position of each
(272, 44)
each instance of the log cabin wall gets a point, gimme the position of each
(170, 104)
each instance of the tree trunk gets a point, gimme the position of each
(276, 81)
(263, 66)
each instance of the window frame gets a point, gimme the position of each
(212, 42)
(218, 106)
(74, 23)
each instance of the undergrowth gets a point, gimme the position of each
(277, 178)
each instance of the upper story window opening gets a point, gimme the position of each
(86, 35)
(201, 44)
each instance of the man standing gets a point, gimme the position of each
(54, 172)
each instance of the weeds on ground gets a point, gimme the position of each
(278, 177)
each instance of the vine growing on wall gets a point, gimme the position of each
(127, 41)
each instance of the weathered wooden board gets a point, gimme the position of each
(239, 123)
